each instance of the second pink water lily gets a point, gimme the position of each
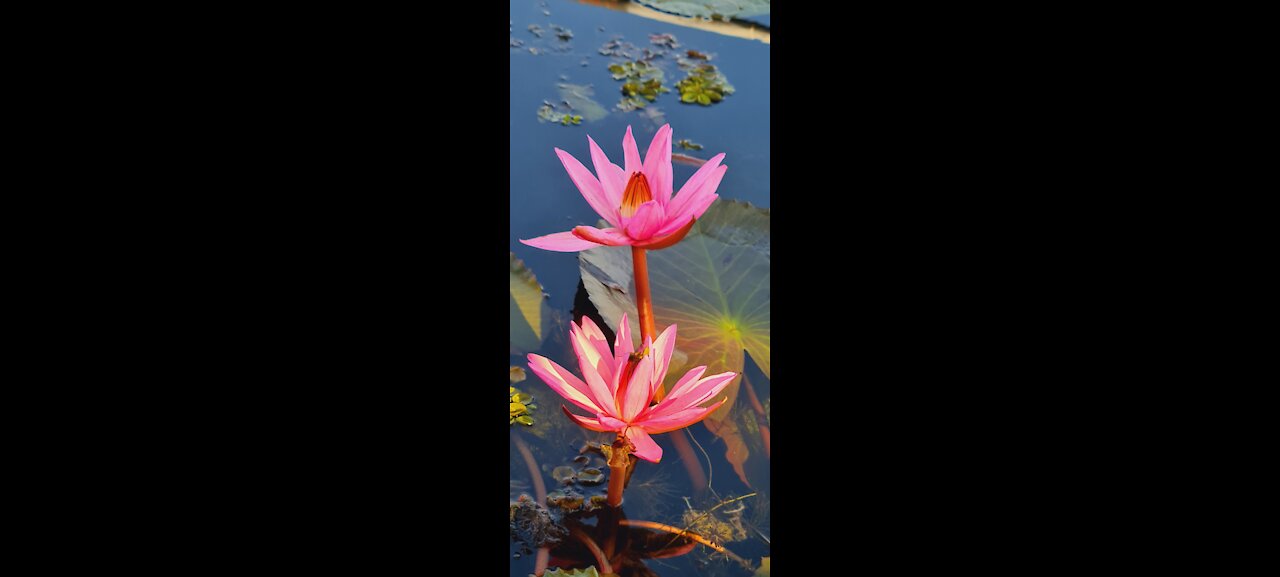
(636, 198)
(618, 390)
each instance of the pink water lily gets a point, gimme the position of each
(619, 389)
(636, 199)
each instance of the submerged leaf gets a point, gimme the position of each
(528, 308)
(579, 99)
(714, 285)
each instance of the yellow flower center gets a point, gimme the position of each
(636, 194)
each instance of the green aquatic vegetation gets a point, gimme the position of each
(521, 406)
(704, 85)
(687, 144)
(548, 113)
(642, 83)
(649, 89)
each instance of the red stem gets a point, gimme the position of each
(648, 331)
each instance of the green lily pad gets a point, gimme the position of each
(715, 9)
(529, 309)
(714, 285)
(763, 570)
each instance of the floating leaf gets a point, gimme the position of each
(517, 375)
(714, 9)
(715, 286)
(528, 308)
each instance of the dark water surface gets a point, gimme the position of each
(544, 200)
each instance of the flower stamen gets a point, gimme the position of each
(636, 194)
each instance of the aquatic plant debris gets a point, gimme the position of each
(535, 30)
(532, 526)
(666, 40)
(562, 33)
(687, 144)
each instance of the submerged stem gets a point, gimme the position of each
(540, 490)
(684, 533)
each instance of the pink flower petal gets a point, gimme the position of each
(663, 347)
(596, 337)
(589, 187)
(680, 420)
(622, 347)
(612, 178)
(639, 392)
(611, 422)
(694, 184)
(663, 240)
(563, 382)
(646, 448)
(686, 396)
(631, 154)
(608, 236)
(697, 201)
(588, 361)
(560, 242)
(587, 422)
(657, 164)
(648, 219)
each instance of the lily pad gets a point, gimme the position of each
(763, 570)
(529, 309)
(712, 9)
(714, 285)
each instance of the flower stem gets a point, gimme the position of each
(644, 302)
(618, 462)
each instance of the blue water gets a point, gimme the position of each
(544, 200)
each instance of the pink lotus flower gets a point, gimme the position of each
(619, 389)
(636, 199)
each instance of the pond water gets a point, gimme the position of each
(566, 50)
